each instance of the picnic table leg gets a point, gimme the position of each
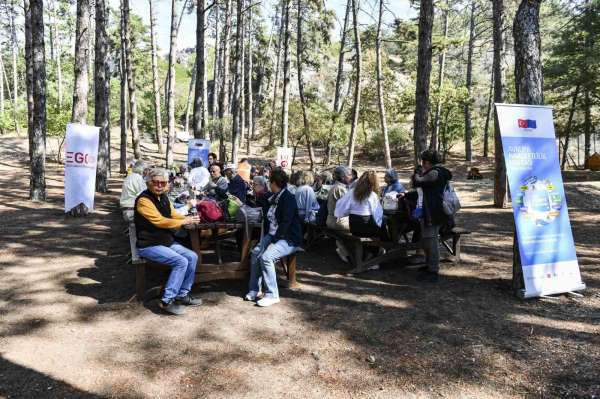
(358, 258)
(140, 282)
(291, 272)
(215, 236)
(195, 238)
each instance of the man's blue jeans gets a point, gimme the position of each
(183, 268)
(262, 264)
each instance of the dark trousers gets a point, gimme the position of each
(365, 226)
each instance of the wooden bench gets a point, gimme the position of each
(451, 241)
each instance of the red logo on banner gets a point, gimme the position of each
(80, 159)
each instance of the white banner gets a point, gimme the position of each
(81, 152)
(539, 204)
(284, 157)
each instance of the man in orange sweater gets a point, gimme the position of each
(155, 220)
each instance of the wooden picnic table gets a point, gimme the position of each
(206, 235)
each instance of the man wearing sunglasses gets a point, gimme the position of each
(155, 220)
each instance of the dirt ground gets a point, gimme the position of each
(67, 329)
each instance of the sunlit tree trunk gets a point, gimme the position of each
(34, 11)
(81, 82)
(486, 130)
(276, 81)
(15, 55)
(249, 64)
(299, 67)
(155, 88)
(200, 97)
(498, 13)
(285, 102)
(380, 94)
(587, 128)
(423, 77)
(224, 89)
(237, 110)
(565, 153)
(123, 97)
(433, 144)
(469, 84)
(101, 94)
(171, 86)
(131, 89)
(357, 83)
(190, 99)
(529, 84)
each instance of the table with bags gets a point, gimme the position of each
(224, 238)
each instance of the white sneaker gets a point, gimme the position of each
(267, 301)
(251, 296)
(342, 257)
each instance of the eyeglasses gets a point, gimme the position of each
(159, 183)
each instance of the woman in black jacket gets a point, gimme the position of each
(432, 179)
(284, 236)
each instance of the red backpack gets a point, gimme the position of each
(209, 211)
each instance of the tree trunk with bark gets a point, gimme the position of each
(500, 184)
(299, 67)
(528, 84)
(216, 68)
(224, 92)
(123, 97)
(237, 107)
(565, 153)
(357, 83)
(81, 82)
(200, 97)
(587, 128)
(131, 90)
(468, 126)
(423, 77)
(34, 11)
(249, 72)
(155, 88)
(285, 104)
(486, 130)
(276, 82)
(15, 55)
(101, 96)
(441, 75)
(190, 99)
(171, 86)
(380, 94)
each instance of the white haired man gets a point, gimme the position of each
(155, 219)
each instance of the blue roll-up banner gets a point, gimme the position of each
(539, 205)
(198, 148)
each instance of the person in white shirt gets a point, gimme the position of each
(199, 176)
(133, 185)
(363, 207)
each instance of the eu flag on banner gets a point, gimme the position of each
(527, 123)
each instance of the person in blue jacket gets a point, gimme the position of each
(392, 183)
(283, 237)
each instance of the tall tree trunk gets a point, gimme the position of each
(1, 88)
(237, 111)
(155, 88)
(224, 92)
(500, 184)
(565, 153)
(423, 77)
(242, 98)
(216, 66)
(101, 94)
(249, 64)
(276, 82)
(587, 128)
(285, 103)
(441, 74)
(15, 55)
(35, 15)
(468, 127)
(81, 82)
(529, 85)
(171, 86)
(357, 83)
(486, 130)
(28, 73)
(190, 97)
(131, 90)
(337, 104)
(124, 95)
(380, 95)
(299, 65)
(200, 97)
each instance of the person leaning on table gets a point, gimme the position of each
(284, 236)
(155, 220)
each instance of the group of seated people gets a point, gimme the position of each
(338, 200)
